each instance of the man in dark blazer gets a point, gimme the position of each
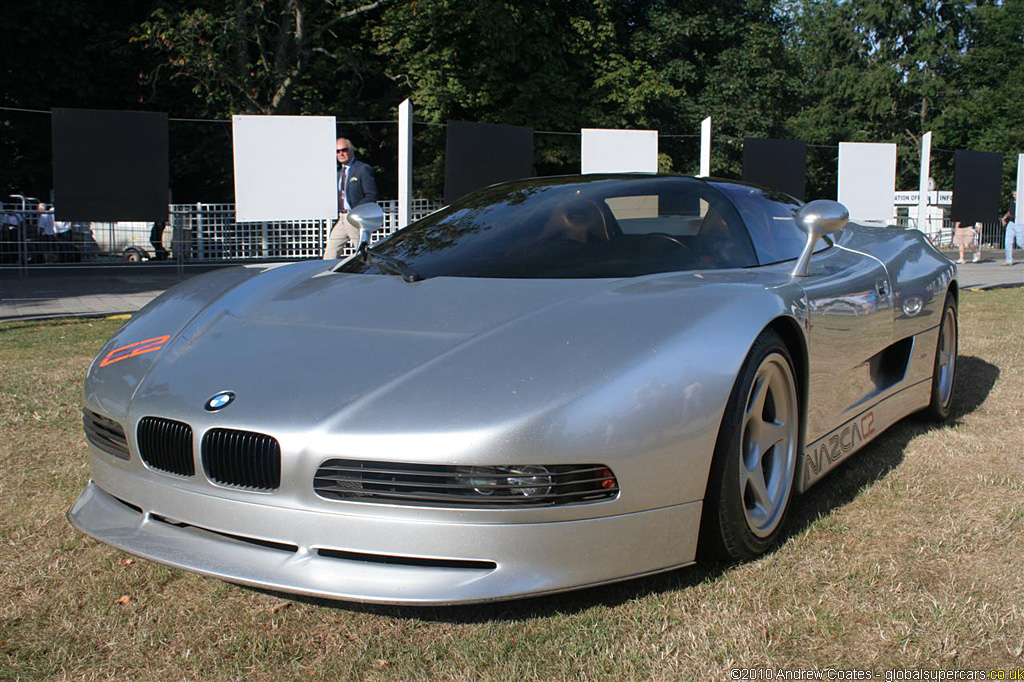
(356, 185)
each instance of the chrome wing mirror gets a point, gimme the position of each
(818, 218)
(367, 218)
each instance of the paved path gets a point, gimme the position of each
(84, 291)
(100, 291)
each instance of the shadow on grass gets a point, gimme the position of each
(975, 379)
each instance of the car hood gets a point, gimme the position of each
(309, 350)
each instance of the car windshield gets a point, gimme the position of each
(597, 226)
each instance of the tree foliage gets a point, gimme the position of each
(822, 71)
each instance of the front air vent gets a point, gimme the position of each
(242, 458)
(166, 445)
(105, 434)
(513, 486)
(418, 562)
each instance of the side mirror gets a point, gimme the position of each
(818, 218)
(367, 218)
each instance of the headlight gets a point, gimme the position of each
(509, 485)
(529, 480)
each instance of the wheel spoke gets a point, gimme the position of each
(755, 480)
(757, 398)
(773, 433)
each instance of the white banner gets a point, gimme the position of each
(285, 168)
(619, 151)
(867, 179)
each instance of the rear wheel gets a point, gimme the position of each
(752, 473)
(133, 255)
(944, 369)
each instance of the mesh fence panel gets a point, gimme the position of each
(194, 232)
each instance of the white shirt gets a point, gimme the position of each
(344, 195)
(46, 224)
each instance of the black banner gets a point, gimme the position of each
(776, 164)
(110, 165)
(481, 154)
(977, 180)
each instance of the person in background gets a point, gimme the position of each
(47, 234)
(356, 185)
(964, 237)
(156, 240)
(10, 235)
(1014, 231)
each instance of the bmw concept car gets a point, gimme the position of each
(550, 384)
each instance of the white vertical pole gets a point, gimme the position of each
(404, 162)
(705, 148)
(1019, 218)
(922, 197)
(200, 237)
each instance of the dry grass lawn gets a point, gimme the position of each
(909, 556)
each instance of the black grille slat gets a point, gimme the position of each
(166, 445)
(242, 458)
(105, 434)
(446, 485)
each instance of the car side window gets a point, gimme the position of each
(655, 213)
(771, 221)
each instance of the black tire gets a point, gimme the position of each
(753, 470)
(944, 369)
(133, 255)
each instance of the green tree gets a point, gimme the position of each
(252, 57)
(495, 61)
(875, 71)
(986, 114)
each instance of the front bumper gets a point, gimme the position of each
(375, 558)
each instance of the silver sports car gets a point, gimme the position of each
(549, 384)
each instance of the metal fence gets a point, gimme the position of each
(199, 233)
(206, 233)
(989, 235)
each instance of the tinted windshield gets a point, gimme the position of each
(770, 217)
(575, 227)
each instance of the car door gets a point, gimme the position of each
(849, 305)
(850, 322)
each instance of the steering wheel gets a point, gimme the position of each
(657, 239)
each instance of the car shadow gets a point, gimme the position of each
(974, 382)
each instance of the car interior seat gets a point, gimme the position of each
(577, 220)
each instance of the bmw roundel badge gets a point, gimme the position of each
(219, 401)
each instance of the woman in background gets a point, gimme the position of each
(963, 237)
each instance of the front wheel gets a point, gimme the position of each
(944, 369)
(752, 473)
